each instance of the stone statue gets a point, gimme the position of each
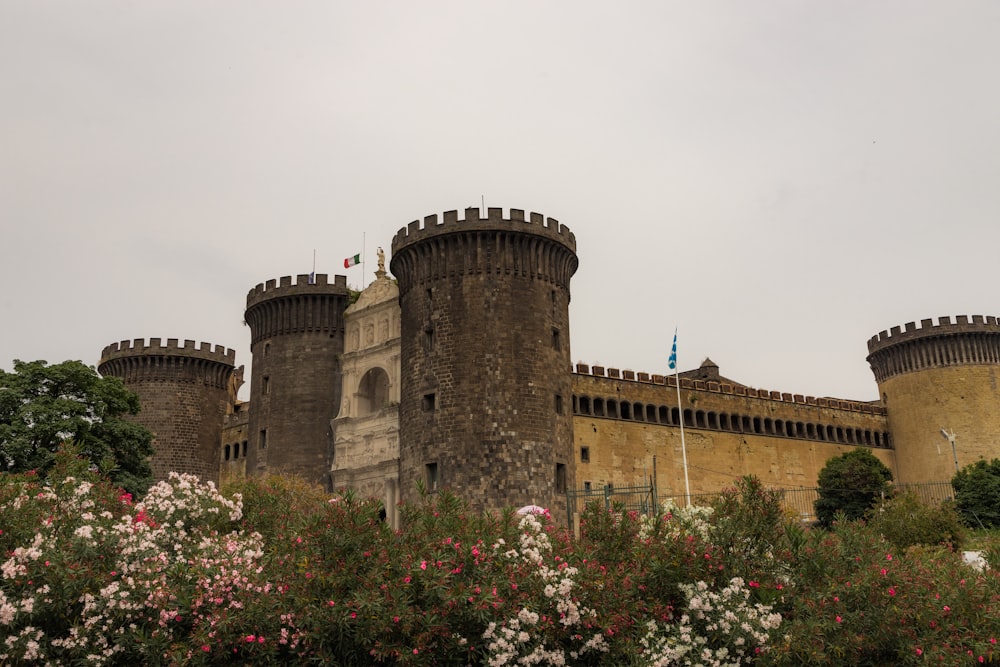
(381, 260)
(235, 382)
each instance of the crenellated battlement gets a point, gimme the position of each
(966, 341)
(173, 347)
(535, 223)
(927, 328)
(618, 375)
(302, 285)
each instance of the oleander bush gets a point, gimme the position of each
(274, 571)
(904, 520)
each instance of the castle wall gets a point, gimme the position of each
(183, 397)
(297, 338)
(940, 376)
(624, 419)
(235, 444)
(485, 402)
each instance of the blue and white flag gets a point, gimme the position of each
(672, 363)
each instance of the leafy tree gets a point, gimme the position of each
(977, 493)
(850, 483)
(42, 406)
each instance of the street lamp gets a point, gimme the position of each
(951, 438)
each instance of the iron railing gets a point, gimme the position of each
(799, 502)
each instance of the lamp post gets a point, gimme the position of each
(951, 438)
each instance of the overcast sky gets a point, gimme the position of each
(778, 180)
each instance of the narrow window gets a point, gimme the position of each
(262, 442)
(429, 339)
(227, 452)
(556, 343)
(560, 478)
(265, 385)
(428, 402)
(586, 486)
(431, 470)
(585, 454)
(559, 404)
(244, 448)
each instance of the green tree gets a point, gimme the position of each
(977, 493)
(851, 483)
(43, 406)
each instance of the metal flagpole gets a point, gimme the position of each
(680, 412)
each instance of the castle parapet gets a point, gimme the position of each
(303, 285)
(968, 340)
(175, 361)
(725, 388)
(173, 347)
(535, 223)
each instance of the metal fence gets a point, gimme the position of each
(799, 502)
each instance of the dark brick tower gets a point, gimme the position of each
(486, 397)
(297, 339)
(183, 394)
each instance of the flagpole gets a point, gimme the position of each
(680, 412)
(363, 272)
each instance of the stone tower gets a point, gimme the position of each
(939, 386)
(485, 387)
(296, 339)
(183, 396)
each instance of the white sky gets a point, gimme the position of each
(780, 180)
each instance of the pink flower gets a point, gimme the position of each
(260, 640)
(206, 648)
(395, 619)
(920, 651)
(947, 608)
(415, 651)
(423, 565)
(892, 591)
(331, 603)
(754, 584)
(888, 556)
(250, 639)
(884, 571)
(407, 579)
(354, 614)
(839, 619)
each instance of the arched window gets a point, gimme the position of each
(373, 391)
(227, 452)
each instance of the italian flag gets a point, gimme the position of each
(352, 261)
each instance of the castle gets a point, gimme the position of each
(457, 374)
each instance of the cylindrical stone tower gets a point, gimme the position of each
(183, 395)
(939, 386)
(486, 396)
(297, 339)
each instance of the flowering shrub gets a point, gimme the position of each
(276, 572)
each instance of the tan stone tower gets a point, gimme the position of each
(939, 386)
(183, 395)
(486, 390)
